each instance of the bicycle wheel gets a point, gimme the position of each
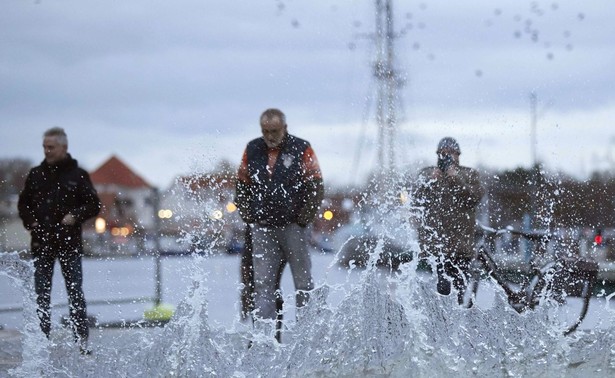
(484, 260)
(566, 289)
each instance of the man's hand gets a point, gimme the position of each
(452, 171)
(436, 174)
(68, 220)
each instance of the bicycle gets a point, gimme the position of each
(564, 274)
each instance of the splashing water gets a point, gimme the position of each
(21, 273)
(385, 325)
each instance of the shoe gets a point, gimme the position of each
(84, 350)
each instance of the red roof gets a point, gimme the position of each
(114, 171)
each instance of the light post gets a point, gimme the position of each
(160, 312)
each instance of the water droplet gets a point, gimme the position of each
(535, 36)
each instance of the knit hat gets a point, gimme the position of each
(450, 144)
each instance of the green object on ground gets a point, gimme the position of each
(161, 312)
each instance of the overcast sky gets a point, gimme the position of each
(172, 87)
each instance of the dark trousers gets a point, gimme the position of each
(247, 276)
(70, 264)
(455, 270)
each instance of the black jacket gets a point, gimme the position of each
(49, 194)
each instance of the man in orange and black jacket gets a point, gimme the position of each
(278, 192)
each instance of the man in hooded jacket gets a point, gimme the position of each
(449, 195)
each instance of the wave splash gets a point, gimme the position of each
(392, 325)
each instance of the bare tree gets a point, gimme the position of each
(13, 172)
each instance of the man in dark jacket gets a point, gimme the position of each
(449, 195)
(57, 198)
(279, 190)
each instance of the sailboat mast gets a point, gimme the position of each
(388, 83)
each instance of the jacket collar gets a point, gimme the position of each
(64, 164)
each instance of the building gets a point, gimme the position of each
(127, 213)
(202, 211)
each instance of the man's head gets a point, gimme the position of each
(273, 126)
(448, 152)
(55, 145)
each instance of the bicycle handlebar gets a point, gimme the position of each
(532, 235)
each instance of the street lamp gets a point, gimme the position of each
(165, 214)
(231, 207)
(100, 225)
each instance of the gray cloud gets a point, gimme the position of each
(128, 77)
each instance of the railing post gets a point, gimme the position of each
(157, 272)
